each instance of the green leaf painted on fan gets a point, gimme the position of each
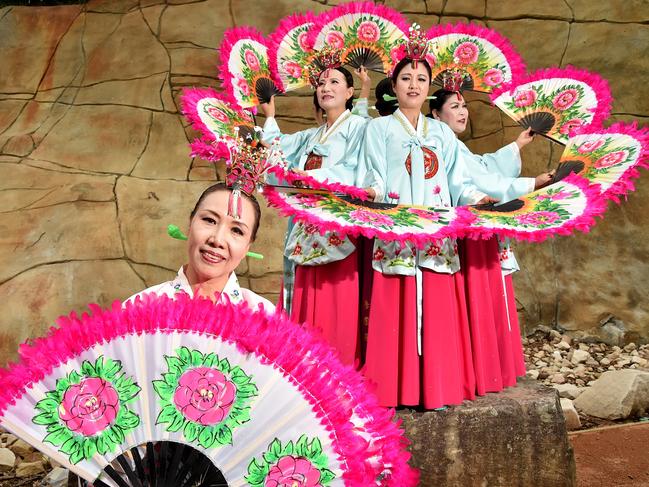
(175, 364)
(111, 368)
(177, 423)
(164, 390)
(89, 448)
(76, 456)
(62, 385)
(58, 437)
(47, 404)
(207, 438)
(224, 365)
(88, 369)
(190, 431)
(128, 419)
(167, 414)
(185, 355)
(70, 445)
(326, 476)
(224, 436)
(103, 446)
(196, 358)
(48, 417)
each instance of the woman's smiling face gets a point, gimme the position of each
(217, 242)
(332, 90)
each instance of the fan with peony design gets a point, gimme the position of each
(470, 57)
(609, 158)
(245, 68)
(556, 102)
(290, 53)
(220, 123)
(186, 392)
(368, 34)
(556, 209)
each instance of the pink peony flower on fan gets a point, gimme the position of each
(524, 98)
(565, 99)
(366, 216)
(204, 395)
(242, 84)
(493, 77)
(293, 69)
(559, 195)
(537, 218)
(90, 406)
(251, 60)
(611, 159)
(570, 126)
(368, 31)
(218, 114)
(466, 53)
(303, 42)
(397, 53)
(590, 146)
(292, 471)
(433, 216)
(335, 39)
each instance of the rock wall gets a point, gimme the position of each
(94, 159)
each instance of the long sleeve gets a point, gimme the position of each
(292, 145)
(373, 167)
(344, 169)
(461, 187)
(496, 174)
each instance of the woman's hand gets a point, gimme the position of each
(543, 180)
(487, 200)
(268, 109)
(366, 82)
(371, 193)
(525, 137)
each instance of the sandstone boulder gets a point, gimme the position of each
(616, 394)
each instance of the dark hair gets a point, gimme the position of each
(441, 96)
(223, 187)
(315, 102)
(349, 79)
(404, 62)
(385, 107)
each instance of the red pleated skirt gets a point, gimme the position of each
(326, 297)
(443, 374)
(496, 359)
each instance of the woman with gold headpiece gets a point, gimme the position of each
(325, 292)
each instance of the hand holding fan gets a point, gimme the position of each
(470, 57)
(219, 122)
(290, 51)
(245, 69)
(253, 399)
(556, 102)
(368, 34)
(608, 157)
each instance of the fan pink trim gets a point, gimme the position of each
(300, 357)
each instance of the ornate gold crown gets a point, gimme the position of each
(326, 58)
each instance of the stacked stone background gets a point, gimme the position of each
(94, 158)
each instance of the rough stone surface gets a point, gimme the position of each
(616, 395)
(7, 459)
(113, 150)
(488, 441)
(570, 414)
(28, 469)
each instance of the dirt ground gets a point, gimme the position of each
(612, 456)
